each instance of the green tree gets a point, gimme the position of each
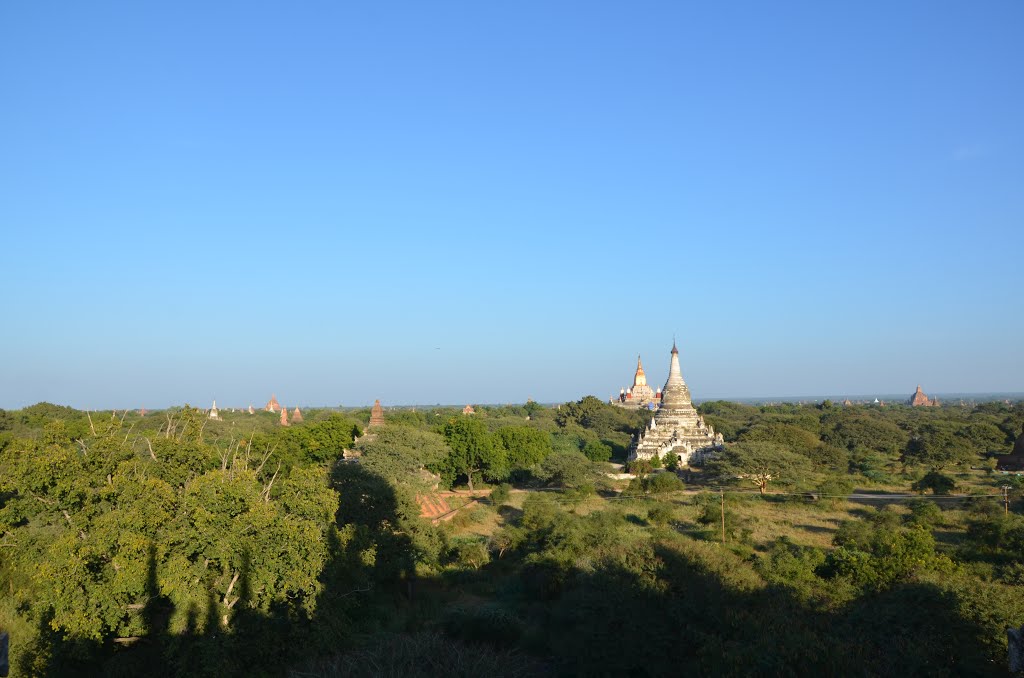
(757, 463)
(325, 440)
(936, 482)
(570, 470)
(597, 451)
(786, 436)
(523, 446)
(937, 446)
(401, 453)
(853, 431)
(473, 450)
(657, 483)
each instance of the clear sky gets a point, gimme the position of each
(436, 202)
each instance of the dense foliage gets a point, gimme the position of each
(174, 544)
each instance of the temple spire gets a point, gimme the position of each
(675, 392)
(639, 379)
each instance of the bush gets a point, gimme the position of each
(659, 515)
(710, 515)
(570, 470)
(469, 554)
(485, 624)
(924, 513)
(788, 564)
(501, 494)
(936, 482)
(836, 489)
(662, 482)
(597, 451)
(639, 467)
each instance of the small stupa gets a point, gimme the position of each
(468, 409)
(376, 415)
(284, 417)
(296, 416)
(214, 414)
(251, 411)
(142, 411)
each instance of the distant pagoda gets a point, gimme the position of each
(214, 412)
(919, 399)
(376, 415)
(284, 417)
(272, 404)
(676, 429)
(640, 394)
(296, 416)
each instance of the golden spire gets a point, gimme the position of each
(639, 379)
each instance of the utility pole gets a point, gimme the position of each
(1006, 499)
(722, 492)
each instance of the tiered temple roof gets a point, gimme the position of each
(296, 416)
(272, 405)
(676, 429)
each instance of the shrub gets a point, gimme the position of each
(660, 514)
(469, 554)
(788, 564)
(936, 482)
(597, 451)
(500, 494)
(924, 513)
(836, 489)
(710, 515)
(662, 482)
(485, 624)
(639, 467)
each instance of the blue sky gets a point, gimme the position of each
(484, 202)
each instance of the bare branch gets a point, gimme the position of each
(266, 456)
(227, 593)
(266, 490)
(91, 427)
(152, 455)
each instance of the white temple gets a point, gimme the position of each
(676, 429)
(214, 414)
